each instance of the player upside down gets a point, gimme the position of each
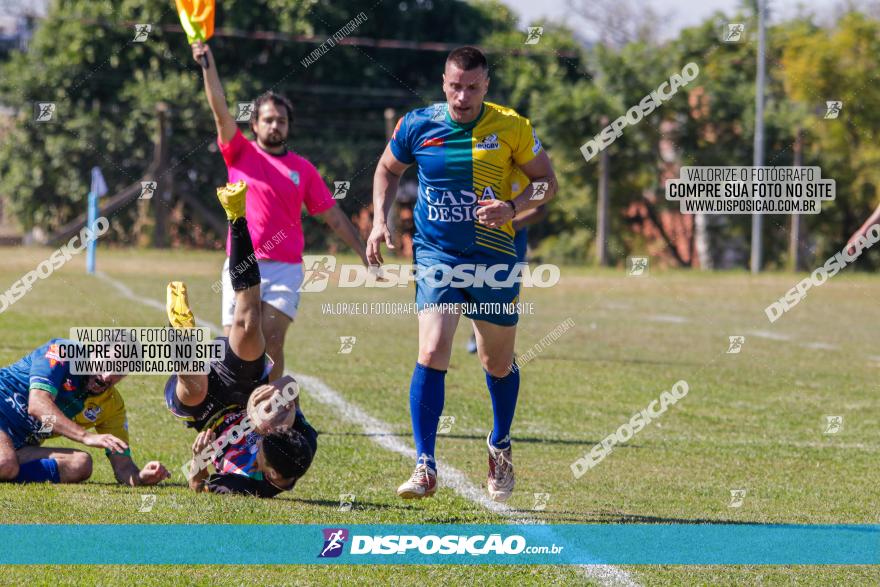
(262, 443)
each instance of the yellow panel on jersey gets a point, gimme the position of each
(106, 414)
(502, 141)
(519, 181)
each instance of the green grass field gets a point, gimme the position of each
(752, 420)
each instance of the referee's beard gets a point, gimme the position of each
(272, 141)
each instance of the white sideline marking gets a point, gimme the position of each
(671, 318)
(769, 335)
(815, 345)
(382, 434)
(820, 346)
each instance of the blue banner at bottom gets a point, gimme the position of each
(564, 544)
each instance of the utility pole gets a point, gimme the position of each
(162, 153)
(794, 235)
(602, 205)
(758, 219)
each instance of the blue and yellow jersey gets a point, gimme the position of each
(518, 184)
(105, 413)
(459, 165)
(44, 369)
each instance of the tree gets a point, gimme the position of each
(106, 88)
(841, 64)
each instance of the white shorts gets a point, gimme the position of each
(279, 285)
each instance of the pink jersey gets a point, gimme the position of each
(278, 185)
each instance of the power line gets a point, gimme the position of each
(400, 44)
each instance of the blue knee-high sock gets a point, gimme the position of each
(426, 394)
(39, 471)
(504, 391)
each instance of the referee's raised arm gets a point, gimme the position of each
(214, 91)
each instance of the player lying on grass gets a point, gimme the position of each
(262, 443)
(39, 397)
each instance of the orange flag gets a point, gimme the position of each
(197, 18)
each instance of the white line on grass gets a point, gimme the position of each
(382, 434)
(769, 335)
(820, 346)
(670, 318)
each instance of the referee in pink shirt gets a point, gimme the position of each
(279, 183)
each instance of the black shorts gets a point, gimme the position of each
(230, 383)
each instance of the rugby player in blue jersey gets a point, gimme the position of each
(39, 398)
(466, 151)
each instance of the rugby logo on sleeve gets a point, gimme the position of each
(537, 144)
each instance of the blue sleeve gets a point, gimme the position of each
(401, 141)
(48, 371)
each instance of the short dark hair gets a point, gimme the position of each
(288, 452)
(274, 98)
(468, 58)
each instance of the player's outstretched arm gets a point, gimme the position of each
(127, 472)
(386, 180)
(41, 406)
(214, 91)
(873, 219)
(344, 229)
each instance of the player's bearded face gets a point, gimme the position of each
(271, 125)
(465, 91)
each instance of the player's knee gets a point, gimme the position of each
(248, 324)
(8, 468)
(497, 367)
(435, 358)
(79, 467)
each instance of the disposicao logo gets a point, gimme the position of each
(334, 540)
